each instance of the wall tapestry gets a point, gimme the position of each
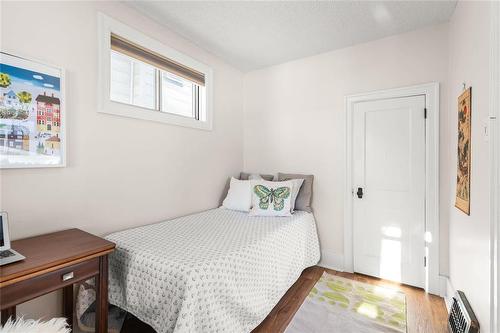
(462, 201)
(32, 121)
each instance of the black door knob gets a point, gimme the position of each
(360, 192)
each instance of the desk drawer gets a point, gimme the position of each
(28, 289)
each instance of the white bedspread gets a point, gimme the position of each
(216, 271)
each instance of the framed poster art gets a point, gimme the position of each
(462, 200)
(32, 114)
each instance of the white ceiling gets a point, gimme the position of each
(255, 34)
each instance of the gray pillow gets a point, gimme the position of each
(243, 176)
(304, 197)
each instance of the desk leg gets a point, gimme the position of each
(101, 319)
(68, 304)
(7, 313)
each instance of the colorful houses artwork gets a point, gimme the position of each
(15, 136)
(31, 114)
(52, 145)
(48, 113)
(10, 100)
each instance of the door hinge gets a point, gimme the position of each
(425, 261)
(425, 113)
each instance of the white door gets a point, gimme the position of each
(389, 170)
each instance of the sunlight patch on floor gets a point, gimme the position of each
(369, 310)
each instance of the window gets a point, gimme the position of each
(132, 81)
(179, 96)
(142, 78)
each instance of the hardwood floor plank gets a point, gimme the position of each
(425, 313)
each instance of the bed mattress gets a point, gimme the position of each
(215, 271)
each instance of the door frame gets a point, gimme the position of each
(434, 284)
(494, 143)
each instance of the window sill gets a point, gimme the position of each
(136, 112)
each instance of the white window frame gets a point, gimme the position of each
(106, 25)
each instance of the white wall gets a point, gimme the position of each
(469, 35)
(124, 172)
(121, 172)
(295, 117)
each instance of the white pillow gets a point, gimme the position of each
(297, 183)
(255, 176)
(239, 195)
(271, 198)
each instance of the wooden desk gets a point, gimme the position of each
(55, 261)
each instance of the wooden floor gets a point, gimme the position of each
(426, 313)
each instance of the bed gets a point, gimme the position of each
(215, 271)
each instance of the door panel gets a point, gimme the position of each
(389, 164)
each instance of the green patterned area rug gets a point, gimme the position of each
(336, 304)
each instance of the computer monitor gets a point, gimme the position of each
(4, 232)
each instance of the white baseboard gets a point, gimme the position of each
(332, 260)
(450, 292)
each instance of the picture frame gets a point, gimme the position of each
(32, 114)
(462, 197)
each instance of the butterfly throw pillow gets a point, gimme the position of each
(271, 198)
